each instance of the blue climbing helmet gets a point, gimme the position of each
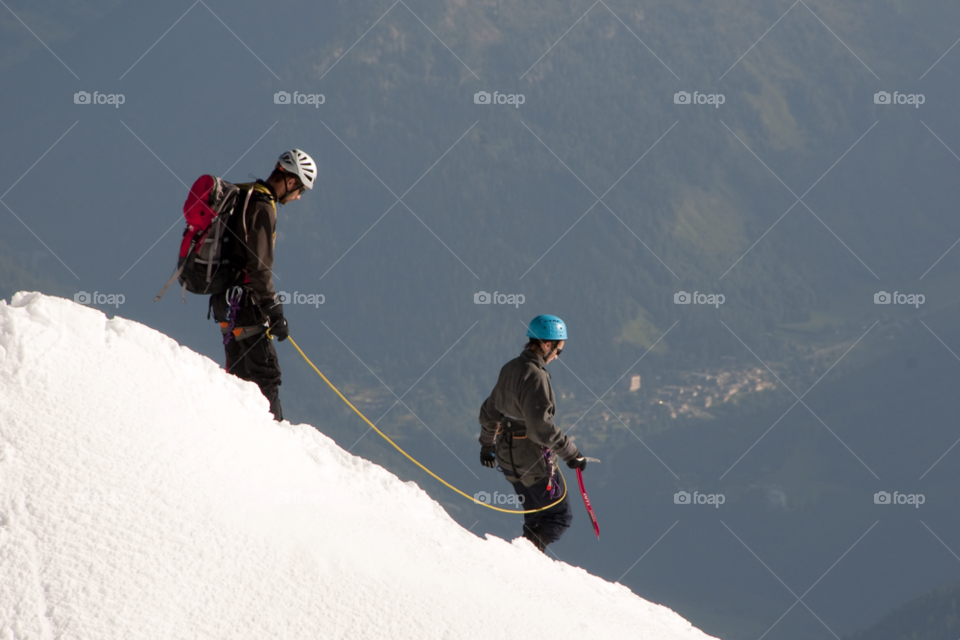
(547, 328)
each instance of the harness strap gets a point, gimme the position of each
(515, 430)
(240, 333)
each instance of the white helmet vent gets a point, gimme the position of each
(302, 165)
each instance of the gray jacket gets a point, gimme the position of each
(524, 397)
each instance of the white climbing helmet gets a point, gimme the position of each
(300, 164)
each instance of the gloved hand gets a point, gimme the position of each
(577, 463)
(276, 322)
(488, 456)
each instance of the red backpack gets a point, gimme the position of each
(202, 267)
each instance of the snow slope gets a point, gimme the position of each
(145, 493)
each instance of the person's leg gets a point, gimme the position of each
(544, 527)
(234, 363)
(255, 359)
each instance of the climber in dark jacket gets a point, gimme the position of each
(251, 307)
(518, 435)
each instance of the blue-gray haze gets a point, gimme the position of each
(599, 198)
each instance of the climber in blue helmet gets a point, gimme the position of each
(518, 435)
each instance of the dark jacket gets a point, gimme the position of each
(524, 397)
(249, 246)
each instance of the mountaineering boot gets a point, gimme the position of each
(534, 534)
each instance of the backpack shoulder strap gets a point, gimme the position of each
(263, 193)
(250, 191)
(243, 214)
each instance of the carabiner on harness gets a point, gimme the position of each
(552, 468)
(233, 297)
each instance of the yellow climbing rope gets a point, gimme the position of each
(411, 458)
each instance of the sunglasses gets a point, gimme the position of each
(300, 188)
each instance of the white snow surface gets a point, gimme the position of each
(146, 493)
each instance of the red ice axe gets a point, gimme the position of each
(586, 502)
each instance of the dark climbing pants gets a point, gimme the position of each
(551, 523)
(255, 359)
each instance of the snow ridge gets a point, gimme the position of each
(145, 493)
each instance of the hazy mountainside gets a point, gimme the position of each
(699, 199)
(932, 616)
(599, 100)
(495, 209)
